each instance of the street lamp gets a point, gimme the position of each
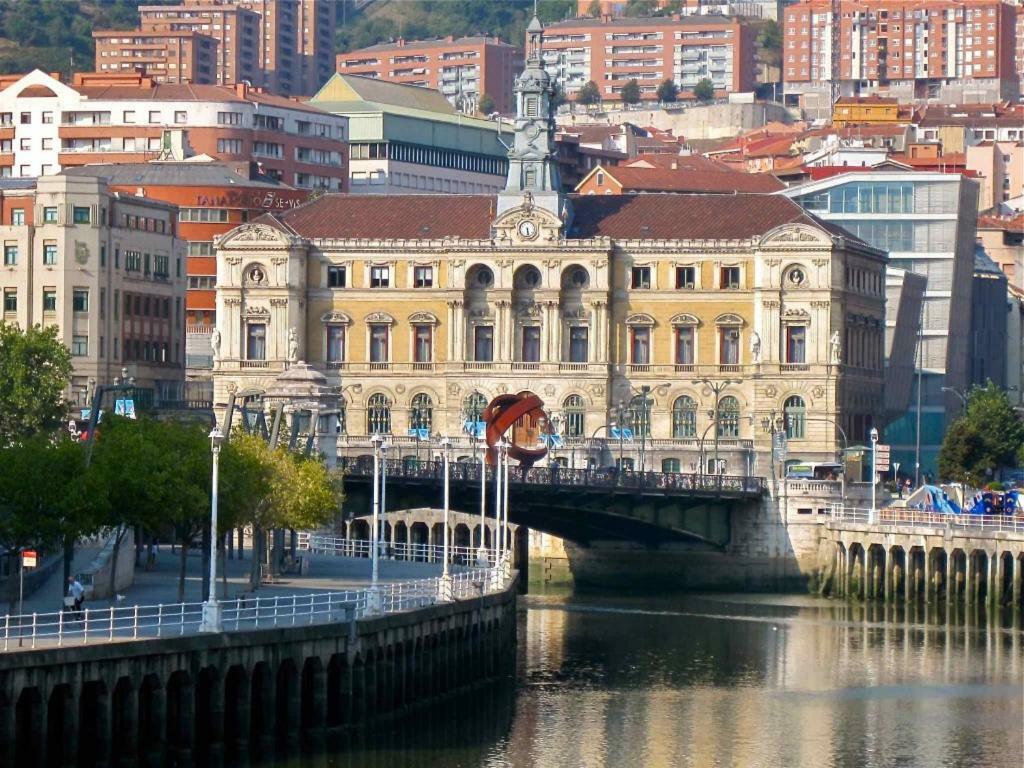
(375, 441)
(211, 621)
(717, 387)
(874, 478)
(500, 480)
(445, 587)
(959, 394)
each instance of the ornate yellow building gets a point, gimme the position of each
(645, 311)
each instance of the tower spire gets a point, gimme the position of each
(531, 160)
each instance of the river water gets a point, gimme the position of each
(727, 680)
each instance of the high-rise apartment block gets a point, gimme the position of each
(463, 69)
(686, 50)
(286, 46)
(954, 50)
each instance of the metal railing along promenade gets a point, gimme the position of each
(248, 612)
(902, 516)
(555, 476)
(408, 551)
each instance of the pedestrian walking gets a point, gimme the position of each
(77, 594)
(151, 555)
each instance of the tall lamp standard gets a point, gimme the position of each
(375, 441)
(874, 477)
(500, 497)
(211, 621)
(445, 586)
(717, 387)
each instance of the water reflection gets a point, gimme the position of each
(740, 681)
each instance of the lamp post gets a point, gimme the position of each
(211, 621)
(375, 441)
(500, 497)
(504, 505)
(961, 395)
(717, 387)
(620, 417)
(874, 478)
(445, 585)
(644, 426)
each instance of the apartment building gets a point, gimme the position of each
(463, 69)
(236, 30)
(105, 268)
(952, 50)
(167, 57)
(405, 139)
(286, 46)
(1018, 50)
(46, 125)
(613, 51)
(926, 222)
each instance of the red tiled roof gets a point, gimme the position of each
(412, 217)
(191, 92)
(677, 162)
(635, 179)
(685, 217)
(647, 217)
(1005, 223)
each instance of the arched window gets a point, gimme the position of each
(684, 417)
(728, 417)
(473, 406)
(670, 465)
(378, 414)
(574, 413)
(640, 415)
(422, 415)
(796, 413)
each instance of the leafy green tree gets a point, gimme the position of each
(704, 90)
(589, 94)
(46, 495)
(987, 437)
(557, 97)
(594, 10)
(35, 368)
(486, 104)
(668, 91)
(631, 92)
(770, 42)
(640, 8)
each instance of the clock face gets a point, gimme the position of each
(527, 229)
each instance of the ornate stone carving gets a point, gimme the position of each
(453, 389)
(820, 304)
(233, 260)
(770, 304)
(400, 388)
(821, 262)
(549, 390)
(684, 318)
(597, 390)
(772, 262)
(818, 392)
(770, 392)
(423, 318)
(279, 302)
(502, 389)
(335, 318)
(640, 318)
(255, 233)
(380, 317)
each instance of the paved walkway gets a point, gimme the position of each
(327, 573)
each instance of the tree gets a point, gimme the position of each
(594, 10)
(668, 91)
(770, 42)
(704, 90)
(631, 92)
(640, 8)
(486, 104)
(557, 97)
(589, 94)
(987, 437)
(35, 368)
(46, 495)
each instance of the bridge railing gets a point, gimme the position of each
(902, 516)
(316, 543)
(469, 472)
(105, 625)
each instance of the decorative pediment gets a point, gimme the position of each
(796, 316)
(335, 318)
(258, 234)
(380, 318)
(640, 318)
(528, 310)
(256, 312)
(685, 319)
(796, 234)
(729, 319)
(528, 224)
(423, 318)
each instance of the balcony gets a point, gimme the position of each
(429, 366)
(478, 365)
(518, 365)
(380, 366)
(639, 368)
(793, 367)
(254, 364)
(336, 365)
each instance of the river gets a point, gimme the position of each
(727, 680)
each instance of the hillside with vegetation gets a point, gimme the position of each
(56, 35)
(387, 20)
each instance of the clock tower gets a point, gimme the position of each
(532, 170)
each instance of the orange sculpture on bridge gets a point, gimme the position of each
(522, 414)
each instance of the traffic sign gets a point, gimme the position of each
(881, 457)
(29, 559)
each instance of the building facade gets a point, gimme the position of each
(927, 223)
(701, 322)
(405, 139)
(613, 51)
(46, 125)
(286, 46)
(105, 268)
(952, 50)
(463, 69)
(167, 57)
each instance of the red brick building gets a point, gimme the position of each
(686, 50)
(957, 51)
(463, 69)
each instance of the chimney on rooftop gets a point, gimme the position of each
(450, 38)
(241, 89)
(400, 42)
